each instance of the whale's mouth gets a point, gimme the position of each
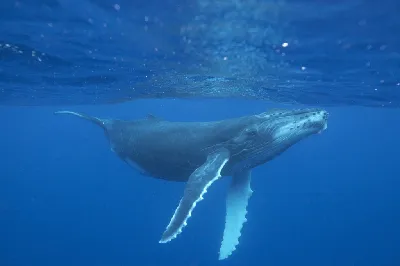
(324, 121)
(314, 120)
(325, 126)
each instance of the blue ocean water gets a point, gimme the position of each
(107, 51)
(66, 199)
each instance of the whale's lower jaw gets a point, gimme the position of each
(324, 128)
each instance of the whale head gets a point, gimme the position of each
(271, 133)
(289, 127)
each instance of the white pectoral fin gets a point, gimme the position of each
(195, 188)
(236, 209)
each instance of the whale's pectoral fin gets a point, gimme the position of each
(196, 186)
(236, 203)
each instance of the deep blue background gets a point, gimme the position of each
(66, 199)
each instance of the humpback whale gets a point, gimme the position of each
(199, 153)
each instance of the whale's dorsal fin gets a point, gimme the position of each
(196, 187)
